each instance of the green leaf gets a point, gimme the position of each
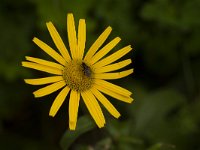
(121, 134)
(84, 125)
(162, 146)
(156, 107)
(105, 143)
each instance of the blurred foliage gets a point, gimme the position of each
(166, 85)
(84, 125)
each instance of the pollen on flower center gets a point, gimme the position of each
(78, 75)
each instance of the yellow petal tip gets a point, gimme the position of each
(26, 80)
(131, 70)
(117, 115)
(118, 38)
(49, 22)
(51, 114)
(69, 15)
(34, 39)
(23, 63)
(35, 95)
(72, 125)
(130, 47)
(109, 28)
(131, 100)
(72, 129)
(101, 126)
(82, 20)
(26, 57)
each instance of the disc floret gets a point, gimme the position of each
(78, 75)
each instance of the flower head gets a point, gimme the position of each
(79, 75)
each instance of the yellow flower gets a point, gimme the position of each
(79, 75)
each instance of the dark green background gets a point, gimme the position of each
(165, 36)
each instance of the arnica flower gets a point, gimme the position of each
(79, 75)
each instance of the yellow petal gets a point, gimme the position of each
(58, 41)
(105, 50)
(73, 109)
(45, 62)
(116, 75)
(59, 101)
(94, 108)
(113, 67)
(113, 57)
(113, 87)
(72, 35)
(97, 44)
(113, 111)
(41, 81)
(114, 94)
(81, 38)
(49, 89)
(42, 68)
(49, 51)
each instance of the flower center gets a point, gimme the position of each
(78, 75)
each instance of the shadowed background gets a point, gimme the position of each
(166, 58)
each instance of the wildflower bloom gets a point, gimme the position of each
(79, 75)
